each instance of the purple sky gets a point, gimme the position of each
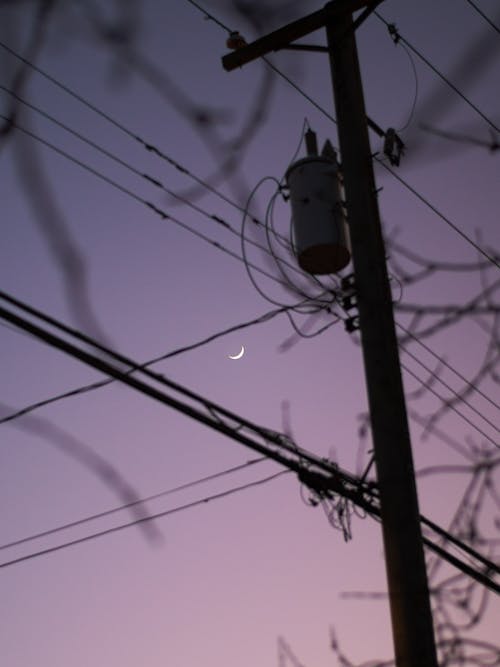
(230, 576)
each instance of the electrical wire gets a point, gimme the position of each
(415, 96)
(149, 179)
(448, 365)
(114, 510)
(339, 481)
(209, 16)
(397, 37)
(103, 383)
(301, 92)
(450, 389)
(450, 406)
(491, 258)
(242, 241)
(158, 211)
(101, 364)
(317, 298)
(150, 517)
(147, 145)
(174, 163)
(441, 435)
(402, 181)
(482, 14)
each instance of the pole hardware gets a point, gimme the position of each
(394, 147)
(349, 301)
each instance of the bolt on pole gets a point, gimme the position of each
(411, 615)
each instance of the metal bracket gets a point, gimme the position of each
(349, 301)
(351, 324)
(393, 146)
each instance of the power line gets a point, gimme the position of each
(339, 481)
(174, 163)
(450, 389)
(402, 181)
(150, 517)
(216, 416)
(148, 146)
(300, 91)
(493, 260)
(441, 435)
(483, 15)
(157, 183)
(209, 16)
(158, 211)
(155, 496)
(161, 212)
(397, 37)
(149, 179)
(97, 385)
(450, 406)
(449, 366)
(120, 187)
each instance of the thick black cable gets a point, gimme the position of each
(126, 378)
(337, 482)
(103, 383)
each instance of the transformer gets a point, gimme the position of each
(319, 224)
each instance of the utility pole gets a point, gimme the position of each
(413, 634)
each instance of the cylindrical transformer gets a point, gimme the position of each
(319, 224)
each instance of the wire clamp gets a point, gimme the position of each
(351, 324)
(393, 32)
(349, 301)
(394, 147)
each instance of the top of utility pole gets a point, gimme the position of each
(282, 37)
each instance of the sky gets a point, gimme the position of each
(261, 576)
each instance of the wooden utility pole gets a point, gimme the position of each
(411, 616)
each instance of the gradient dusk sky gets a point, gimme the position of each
(225, 579)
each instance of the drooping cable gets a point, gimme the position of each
(397, 37)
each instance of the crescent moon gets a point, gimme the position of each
(239, 355)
